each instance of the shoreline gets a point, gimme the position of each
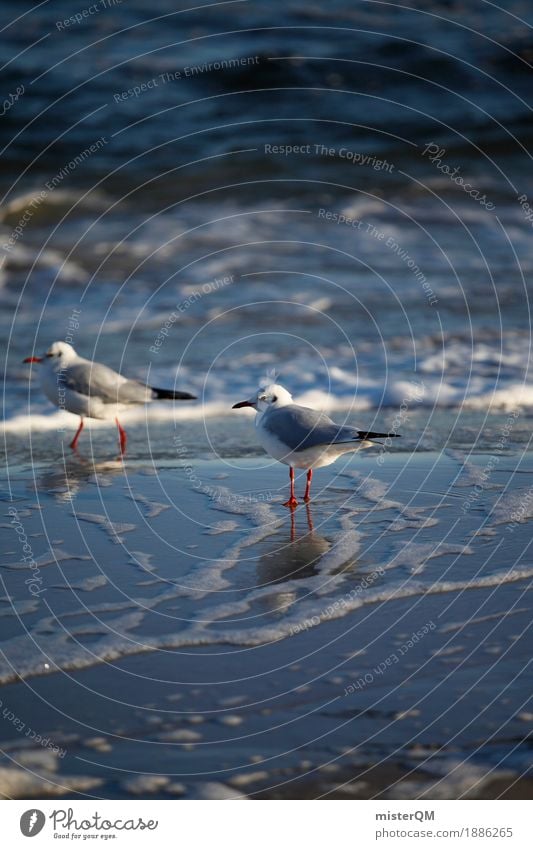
(209, 624)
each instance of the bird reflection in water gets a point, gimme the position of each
(77, 472)
(289, 560)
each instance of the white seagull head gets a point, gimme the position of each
(59, 354)
(266, 398)
(61, 351)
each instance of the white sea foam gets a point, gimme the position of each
(151, 508)
(415, 555)
(95, 582)
(460, 779)
(49, 559)
(23, 782)
(113, 529)
(513, 507)
(485, 388)
(118, 641)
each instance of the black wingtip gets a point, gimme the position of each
(370, 434)
(172, 395)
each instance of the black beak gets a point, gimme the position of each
(242, 404)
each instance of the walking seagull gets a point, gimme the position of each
(92, 390)
(300, 437)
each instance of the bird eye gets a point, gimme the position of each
(59, 353)
(274, 399)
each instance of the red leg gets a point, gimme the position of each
(292, 500)
(123, 437)
(307, 496)
(77, 436)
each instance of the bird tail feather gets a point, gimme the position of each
(365, 436)
(370, 434)
(171, 395)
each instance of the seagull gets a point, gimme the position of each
(300, 437)
(93, 390)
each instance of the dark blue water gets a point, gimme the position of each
(358, 172)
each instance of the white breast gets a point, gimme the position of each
(66, 399)
(310, 458)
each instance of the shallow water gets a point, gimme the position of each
(205, 625)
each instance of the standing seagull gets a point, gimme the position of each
(91, 389)
(301, 437)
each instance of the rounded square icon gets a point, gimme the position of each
(32, 822)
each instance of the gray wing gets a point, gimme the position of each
(98, 381)
(300, 428)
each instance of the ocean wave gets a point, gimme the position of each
(117, 642)
(397, 397)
